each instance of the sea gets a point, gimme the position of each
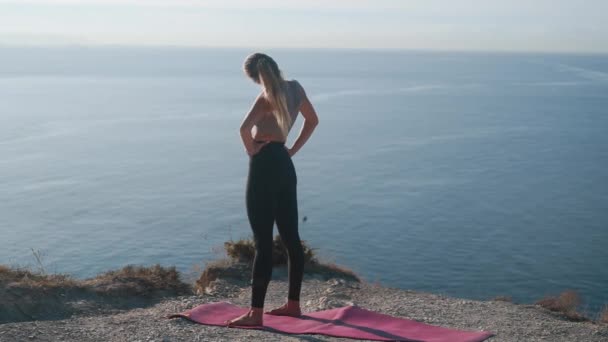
(467, 174)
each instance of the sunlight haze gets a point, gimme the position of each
(540, 25)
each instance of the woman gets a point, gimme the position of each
(271, 182)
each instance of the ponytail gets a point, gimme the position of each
(272, 80)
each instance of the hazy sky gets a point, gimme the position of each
(513, 25)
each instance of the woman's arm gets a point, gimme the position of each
(258, 109)
(311, 120)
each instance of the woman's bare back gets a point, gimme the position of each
(267, 129)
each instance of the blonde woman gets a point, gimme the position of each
(271, 182)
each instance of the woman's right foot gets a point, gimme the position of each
(289, 309)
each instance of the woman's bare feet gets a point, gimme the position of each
(252, 317)
(291, 308)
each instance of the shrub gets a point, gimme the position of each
(240, 260)
(22, 277)
(566, 303)
(243, 250)
(27, 295)
(503, 299)
(604, 315)
(138, 280)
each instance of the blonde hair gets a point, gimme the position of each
(264, 70)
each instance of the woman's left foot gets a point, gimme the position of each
(249, 318)
(286, 310)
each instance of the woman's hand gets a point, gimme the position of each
(256, 148)
(290, 151)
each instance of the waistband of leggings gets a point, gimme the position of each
(270, 142)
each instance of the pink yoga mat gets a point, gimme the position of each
(349, 321)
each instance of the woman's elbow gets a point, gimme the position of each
(311, 120)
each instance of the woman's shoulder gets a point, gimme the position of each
(294, 81)
(298, 86)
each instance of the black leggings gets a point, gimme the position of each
(271, 196)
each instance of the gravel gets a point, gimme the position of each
(509, 321)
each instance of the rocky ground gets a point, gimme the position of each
(510, 322)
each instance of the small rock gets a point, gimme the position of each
(333, 282)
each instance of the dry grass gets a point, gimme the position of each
(138, 281)
(565, 303)
(129, 280)
(243, 250)
(241, 254)
(503, 299)
(22, 277)
(34, 295)
(240, 272)
(603, 316)
(223, 269)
